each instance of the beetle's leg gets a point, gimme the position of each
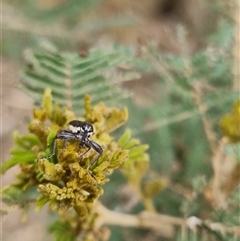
(81, 156)
(84, 141)
(64, 144)
(94, 160)
(97, 148)
(63, 135)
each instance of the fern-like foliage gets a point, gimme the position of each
(65, 10)
(71, 76)
(63, 231)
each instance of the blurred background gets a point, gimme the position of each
(183, 61)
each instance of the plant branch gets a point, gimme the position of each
(224, 180)
(236, 47)
(177, 118)
(162, 224)
(145, 219)
(197, 93)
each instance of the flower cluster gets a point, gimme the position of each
(65, 180)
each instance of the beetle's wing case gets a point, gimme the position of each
(75, 126)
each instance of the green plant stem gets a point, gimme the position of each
(147, 202)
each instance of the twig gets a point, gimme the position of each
(217, 164)
(197, 92)
(163, 224)
(222, 183)
(236, 47)
(145, 219)
(181, 117)
(160, 66)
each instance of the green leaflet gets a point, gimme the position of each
(22, 153)
(63, 231)
(71, 76)
(136, 151)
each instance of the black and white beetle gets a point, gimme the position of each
(78, 130)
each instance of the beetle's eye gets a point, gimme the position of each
(89, 134)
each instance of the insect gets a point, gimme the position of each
(82, 131)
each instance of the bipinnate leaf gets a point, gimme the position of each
(71, 76)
